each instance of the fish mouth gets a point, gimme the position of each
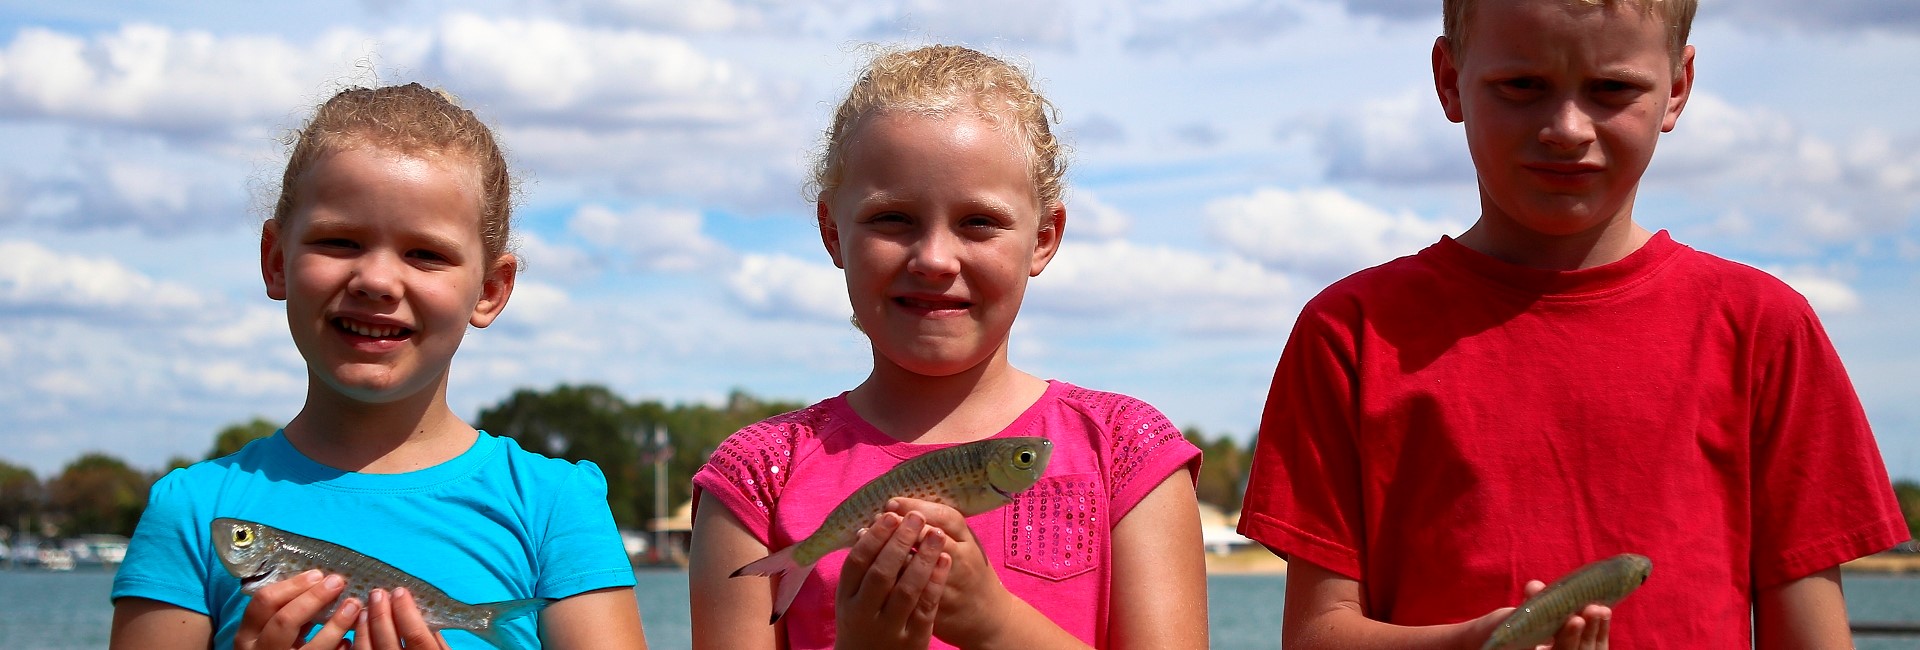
(256, 580)
(1003, 493)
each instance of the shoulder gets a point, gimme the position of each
(1420, 275)
(536, 466)
(784, 431)
(1107, 407)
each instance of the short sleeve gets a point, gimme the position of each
(166, 560)
(581, 550)
(1303, 495)
(748, 471)
(1143, 448)
(1821, 491)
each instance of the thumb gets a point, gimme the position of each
(1481, 629)
(938, 515)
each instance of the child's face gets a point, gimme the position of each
(382, 268)
(1562, 104)
(938, 227)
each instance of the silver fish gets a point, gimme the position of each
(1605, 582)
(260, 555)
(972, 478)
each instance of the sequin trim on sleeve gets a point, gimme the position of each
(1136, 433)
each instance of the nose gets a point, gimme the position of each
(1570, 127)
(376, 277)
(936, 254)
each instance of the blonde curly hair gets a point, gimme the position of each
(410, 119)
(936, 81)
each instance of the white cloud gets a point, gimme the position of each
(34, 279)
(251, 326)
(1323, 232)
(536, 303)
(677, 15)
(240, 379)
(1405, 139)
(783, 286)
(1188, 26)
(1090, 218)
(545, 259)
(1130, 283)
(653, 238)
(1824, 289)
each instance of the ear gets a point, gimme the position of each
(1682, 89)
(1052, 229)
(829, 232)
(273, 260)
(495, 290)
(1446, 79)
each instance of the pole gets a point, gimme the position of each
(660, 513)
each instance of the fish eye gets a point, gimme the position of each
(242, 537)
(1024, 459)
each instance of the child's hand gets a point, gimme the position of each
(1586, 630)
(974, 604)
(891, 585)
(392, 622)
(281, 613)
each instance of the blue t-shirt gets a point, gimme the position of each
(495, 523)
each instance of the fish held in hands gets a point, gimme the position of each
(260, 555)
(1605, 582)
(972, 478)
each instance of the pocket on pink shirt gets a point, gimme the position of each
(1057, 529)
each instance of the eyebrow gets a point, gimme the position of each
(431, 240)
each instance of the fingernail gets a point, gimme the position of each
(352, 607)
(893, 505)
(310, 576)
(378, 596)
(335, 582)
(402, 593)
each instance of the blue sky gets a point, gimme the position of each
(1230, 158)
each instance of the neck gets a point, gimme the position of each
(1504, 240)
(412, 433)
(970, 405)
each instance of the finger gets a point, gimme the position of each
(413, 629)
(380, 634)
(865, 548)
(919, 625)
(290, 624)
(266, 602)
(335, 631)
(938, 515)
(1569, 636)
(1534, 587)
(1598, 618)
(879, 579)
(907, 592)
(361, 637)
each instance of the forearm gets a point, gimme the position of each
(1323, 610)
(1023, 627)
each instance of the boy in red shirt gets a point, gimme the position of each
(1559, 385)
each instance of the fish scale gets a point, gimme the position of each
(972, 478)
(260, 555)
(1605, 582)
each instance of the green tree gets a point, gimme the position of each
(1907, 492)
(1223, 475)
(577, 423)
(97, 493)
(235, 436)
(20, 496)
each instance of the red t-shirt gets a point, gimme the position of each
(1447, 426)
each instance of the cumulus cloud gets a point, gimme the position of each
(1323, 232)
(1131, 283)
(1835, 15)
(1826, 289)
(677, 15)
(1189, 26)
(783, 286)
(35, 280)
(1765, 166)
(1030, 23)
(653, 238)
(1090, 218)
(1398, 140)
(1096, 130)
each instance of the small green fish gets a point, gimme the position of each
(972, 478)
(260, 555)
(1605, 582)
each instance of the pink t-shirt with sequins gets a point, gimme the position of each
(783, 475)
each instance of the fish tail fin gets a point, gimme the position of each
(503, 611)
(781, 566)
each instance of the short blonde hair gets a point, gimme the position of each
(410, 119)
(1678, 15)
(936, 81)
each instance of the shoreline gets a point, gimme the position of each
(1257, 560)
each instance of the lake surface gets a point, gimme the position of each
(69, 610)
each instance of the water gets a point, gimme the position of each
(61, 611)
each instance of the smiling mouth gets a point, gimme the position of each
(384, 332)
(919, 303)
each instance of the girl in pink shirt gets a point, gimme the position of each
(940, 195)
